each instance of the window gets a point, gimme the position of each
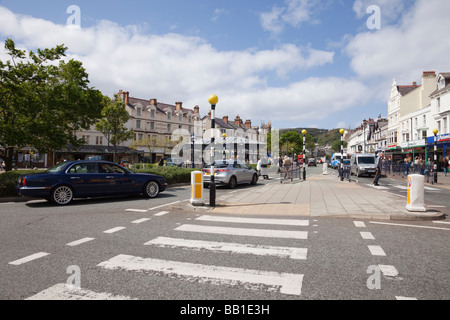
(138, 124)
(169, 116)
(84, 168)
(180, 117)
(152, 126)
(152, 113)
(416, 122)
(168, 127)
(438, 104)
(424, 120)
(139, 112)
(424, 134)
(87, 139)
(99, 140)
(445, 125)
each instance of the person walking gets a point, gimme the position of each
(264, 168)
(427, 170)
(445, 164)
(379, 164)
(406, 167)
(287, 164)
(161, 161)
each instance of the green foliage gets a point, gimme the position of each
(173, 174)
(44, 100)
(112, 123)
(8, 181)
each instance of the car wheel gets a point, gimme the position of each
(232, 183)
(62, 195)
(254, 180)
(151, 189)
(357, 173)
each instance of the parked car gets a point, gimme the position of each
(174, 162)
(363, 163)
(312, 162)
(82, 179)
(230, 173)
(336, 160)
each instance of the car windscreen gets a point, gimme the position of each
(366, 160)
(58, 168)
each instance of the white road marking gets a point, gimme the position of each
(159, 214)
(29, 258)
(63, 291)
(367, 235)
(388, 271)
(164, 205)
(409, 225)
(281, 252)
(378, 187)
(286, 283)
(245, 232)
(404, 298)
(140, 220)
(136, 210)
(376, 251)
(442, 222)
(359, 224)
(287, 222)
(114, 230)
(78, 242)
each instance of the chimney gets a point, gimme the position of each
(196, 109)
(153, 102)
(429, 74)
(125, 96)
(237, 120)
(179, 106)
(415, 84)
(248, 123)
(225, 119)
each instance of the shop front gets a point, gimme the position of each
(443, 147)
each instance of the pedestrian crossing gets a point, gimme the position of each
(396, 186)
(211, 234)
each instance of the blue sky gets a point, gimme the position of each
(296, 63)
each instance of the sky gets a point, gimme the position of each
(296, 63)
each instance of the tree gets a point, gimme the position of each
(44, 101)
(336, 145)
(112, 123)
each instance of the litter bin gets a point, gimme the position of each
(416, 193)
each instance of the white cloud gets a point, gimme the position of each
(294, 13)
(418, 43)
(174, 67)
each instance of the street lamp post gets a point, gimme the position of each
(342, 131)
(435, 171)
(224, 146)
(213, 100)
(304, 132)
(192, 150)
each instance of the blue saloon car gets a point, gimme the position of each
(82, 179)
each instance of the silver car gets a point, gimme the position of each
(230, 173)
(363, 163)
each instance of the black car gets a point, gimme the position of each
(82, 179)
(312, 162)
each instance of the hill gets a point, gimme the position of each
(323, 137)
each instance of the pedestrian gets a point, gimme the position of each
(379, 164)
(427, 170)
(406, 167)
(287, 164)
(445, 163)
(258, 167)
(264, 168)
(161, 162)
(421, 166)
(2, 166)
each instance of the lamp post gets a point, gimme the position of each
(435, 171)
(213, 100)
(342, 131)
(192, 150)
(304, 132)
(224, 136)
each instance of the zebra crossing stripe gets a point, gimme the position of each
(287, 222)
(259, 250)
(63, 291)
(286, 283)
(266, 233)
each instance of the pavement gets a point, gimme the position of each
(319, 196)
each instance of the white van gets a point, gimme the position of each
(363, 163)
(336, 160)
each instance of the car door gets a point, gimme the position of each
(85, 179)
(117, 180)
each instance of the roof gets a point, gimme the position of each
(160, 107)
(406, 89)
